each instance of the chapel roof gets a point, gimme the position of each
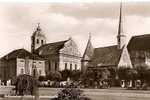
(106, 56)
(51, 48)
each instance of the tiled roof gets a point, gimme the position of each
(140, 42)
(20, 53)
(106, 56)
(50, 48)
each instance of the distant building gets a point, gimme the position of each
(57, 55)
(139, 50)
(19, 62)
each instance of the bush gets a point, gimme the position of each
(65, 74)
(42, 78)
(71, 93)
(54, 76)
(75, 75)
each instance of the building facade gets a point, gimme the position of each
(19, 62)
(59, 55)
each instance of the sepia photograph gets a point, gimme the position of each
(75, 50)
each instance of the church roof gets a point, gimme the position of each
(106, 56)
(20, 53)
(140, 42)
(50, 48)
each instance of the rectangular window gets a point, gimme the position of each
(55, 66)
(40, 72)
(75, 66)
(42, 42)
(65, 66)
(49, 65)
(70, 66)
(37, 41)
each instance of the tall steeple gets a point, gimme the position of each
(37, 39)
(121, 38)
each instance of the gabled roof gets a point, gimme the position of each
(140, 42)
(106, 56)
(20, 53)
(50, 48)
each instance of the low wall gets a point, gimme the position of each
(6, 89)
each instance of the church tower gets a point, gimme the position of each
(87, 55)
(37, 39)
(121, 38)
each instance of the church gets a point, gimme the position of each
(110, 57)
(132, 55)
(59, 55)
(43, 58)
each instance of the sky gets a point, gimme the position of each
(61, 20)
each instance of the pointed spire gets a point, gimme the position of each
(120, 29)
(89, 49)
(121, 37)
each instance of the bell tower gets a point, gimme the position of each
(121, 38)
(37, 39)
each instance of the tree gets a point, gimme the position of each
(65, 74)
(131, 74)
(105, 74)
(54, 76)
(122, 73)
(75, 75)
(25, 84)
(42, 78)
(142, 70)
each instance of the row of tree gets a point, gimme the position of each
(91, 77)
(141, 73)
(62, 75)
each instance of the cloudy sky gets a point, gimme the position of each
(59, 21)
